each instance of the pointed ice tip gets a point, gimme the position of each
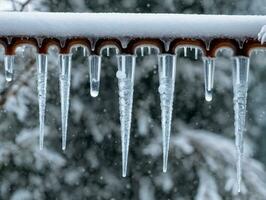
(124, 174)
(63, 147)
(165, 160)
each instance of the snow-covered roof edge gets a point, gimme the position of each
(129, 25)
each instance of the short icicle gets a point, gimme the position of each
(95, 71)
(65, 81)
(167, 70)
(125, 75)
(9, 63)
(209, 68)
(240, 86)
(42, 60)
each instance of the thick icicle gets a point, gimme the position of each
(240, 85)
(209, 68)
(142, 51)
(167, 70)
(65, 80)
(125, 75)
(95, 70)
(9, 63)
(42, 60)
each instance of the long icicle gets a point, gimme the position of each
(125, 75)
(209, 68)
(95, 70)
(240, 85)
(42, 60)
(65, 81)
(167, 71)
(9, 63)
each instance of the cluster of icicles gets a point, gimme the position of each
(125, 74)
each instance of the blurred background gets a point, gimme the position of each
(202, 154)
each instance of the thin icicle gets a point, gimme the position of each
(84, 51)
(108, 51)
(209, 68)
(65, 80)
(185, 51)
(167, 70)
(149, 50)
(196, 53)
(42, 60)
(142, 51)
(240, 85)
(95, 70)
(9, 63)
(125, 75)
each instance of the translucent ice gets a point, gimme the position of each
(95, 70)
(240, 85)
(65, 80)
(125, 75)
(42, 60)
(167, 70)
(209, 68)
(9, 63)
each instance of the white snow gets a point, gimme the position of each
(128, 25)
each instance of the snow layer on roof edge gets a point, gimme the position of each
(128, 25)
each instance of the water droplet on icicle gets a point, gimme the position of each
(209, 68)
(167, 70)
(95, 72)
(125, 75)
(240, 85)
(9, 63)
(42, 60)
(65, 81)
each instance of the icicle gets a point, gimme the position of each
(142, 51)
(167, 70)
(185, 51)
(240, 85)
(196, 53)
(42, 60)
(209, 67)
(108, 51)
(65, 80)
(149, 50)
(84, 51)
(9, 62)
(125, 75)
(95, 70)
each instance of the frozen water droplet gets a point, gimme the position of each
(39, 41)
(9, 40)
(42, 60)
(65, 81)
(124, 41)
(167, 70)
(9, 63)
(209, 68)
(62, 42)
(95, 71)
(240, 85)
(125, 75)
